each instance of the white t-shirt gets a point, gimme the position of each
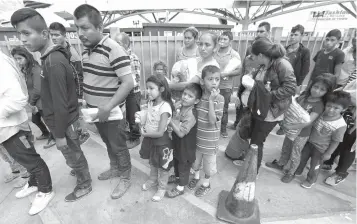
(200, 68)
(153, 116)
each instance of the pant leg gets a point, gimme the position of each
(184, 172)
(176, 167)
(113, 135)
(334, 155)
(132, 105)
(75, 158)
(260, 131)
(154, 174)
(315, 165)
(23, 151)
(163, 178)
(36, 119)
(305, 156)
(295, 156)
(14, 166)
(285, 152)
(197, 164)
(226, 93)
(346, 156)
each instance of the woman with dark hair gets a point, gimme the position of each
(276, 74)
(32, 72)
(190, 48)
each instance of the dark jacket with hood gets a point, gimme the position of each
(58, 91)
(301, 63)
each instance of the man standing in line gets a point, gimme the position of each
(105, 65)
(58, 95)
(133, 99)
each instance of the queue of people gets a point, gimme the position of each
(180, 131)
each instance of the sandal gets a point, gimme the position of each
(159, 195)
(174, 193)
(172, 179)
(202, 190)
(193, 183)
(147, 185)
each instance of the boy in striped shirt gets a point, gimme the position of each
(209, 114)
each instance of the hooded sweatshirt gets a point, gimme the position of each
(58, 91)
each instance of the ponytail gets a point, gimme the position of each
(276, 51)
(266, 47)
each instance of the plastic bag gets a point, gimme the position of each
(295, 114)
(232, 65)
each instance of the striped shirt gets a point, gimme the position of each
(102, 67)
(208, 134)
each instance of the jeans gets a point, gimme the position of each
(36, 119)
(14, 166)
(182, 171)
(74, 156)
(226, 93)
(160, 176)
(22, 150)
(113, 135)
(308, 152)
(132, 105)
(346, 156)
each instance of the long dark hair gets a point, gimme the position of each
(269, 49)
(328, 79)
(160, 81)
(30, 60)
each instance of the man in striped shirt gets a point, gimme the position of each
(105, 65)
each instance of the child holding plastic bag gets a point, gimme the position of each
(310, 102)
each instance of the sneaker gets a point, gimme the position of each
(307, 184)
(40, 202)
(121, 188)
(148, 184)
(10, 177)
(43, 137)
(334, 179)
(49, 144)
(233, 127)
(224, 134)
(106, 175)
(174, 193)
(20, 182)
(202, 190)
(297, 174)
(26, 191)
(193, 183)
(78, 193)
(274, 165)
(280, 131)
(326, 167)
(287, 178)
(83, 137)
(72, 173)
(172, 179)
(132, 143)
(159, 195)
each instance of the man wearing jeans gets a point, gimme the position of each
(223, 56)
(15, 135)
(58, 95)
(133, 99)
(107, 82)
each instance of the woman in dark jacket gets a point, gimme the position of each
(32, 72)
(277, 75)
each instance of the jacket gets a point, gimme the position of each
(33, 83)
(58, 92)
(259, 101)
(77, 64)
(301, 64)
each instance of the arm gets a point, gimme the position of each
(162, 127)
(185, 127)
(327, 155)
(35, 95)
(235, 72)
(287, 81)
(336, 138)
(337, 70)
(181, 85)
(313, 117)
(215, 112)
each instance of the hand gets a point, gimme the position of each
(61, 142)
(103, 114)
(325, 157)
(214, 94)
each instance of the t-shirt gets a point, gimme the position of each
(208, 134)
(316, 107)
(223, 60)
(200, 68)
(182, 56)
(185, 120)
(153, 115)
(326, 63)
(324, 132)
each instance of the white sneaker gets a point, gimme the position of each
(26, 191)
(40, 202)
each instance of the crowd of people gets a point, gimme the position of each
(186, 112)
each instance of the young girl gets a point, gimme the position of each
(156, 145)
(160, 68)
(312, 100)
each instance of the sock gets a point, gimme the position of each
(206, 182)
(180, 188)
(197, 174)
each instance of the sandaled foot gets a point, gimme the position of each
(174, 193)
(148, 185)
(202, 190)
(193, 183)
(159, 195)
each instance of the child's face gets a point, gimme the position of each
(318, 90)
(333, 109)
(188, 98)
(152, 90)
(159, 70)
(206, 46)
(20, 60)
(211, 81)
(330, 42)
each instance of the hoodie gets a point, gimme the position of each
(58, 91)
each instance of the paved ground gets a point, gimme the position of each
(279, 203)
